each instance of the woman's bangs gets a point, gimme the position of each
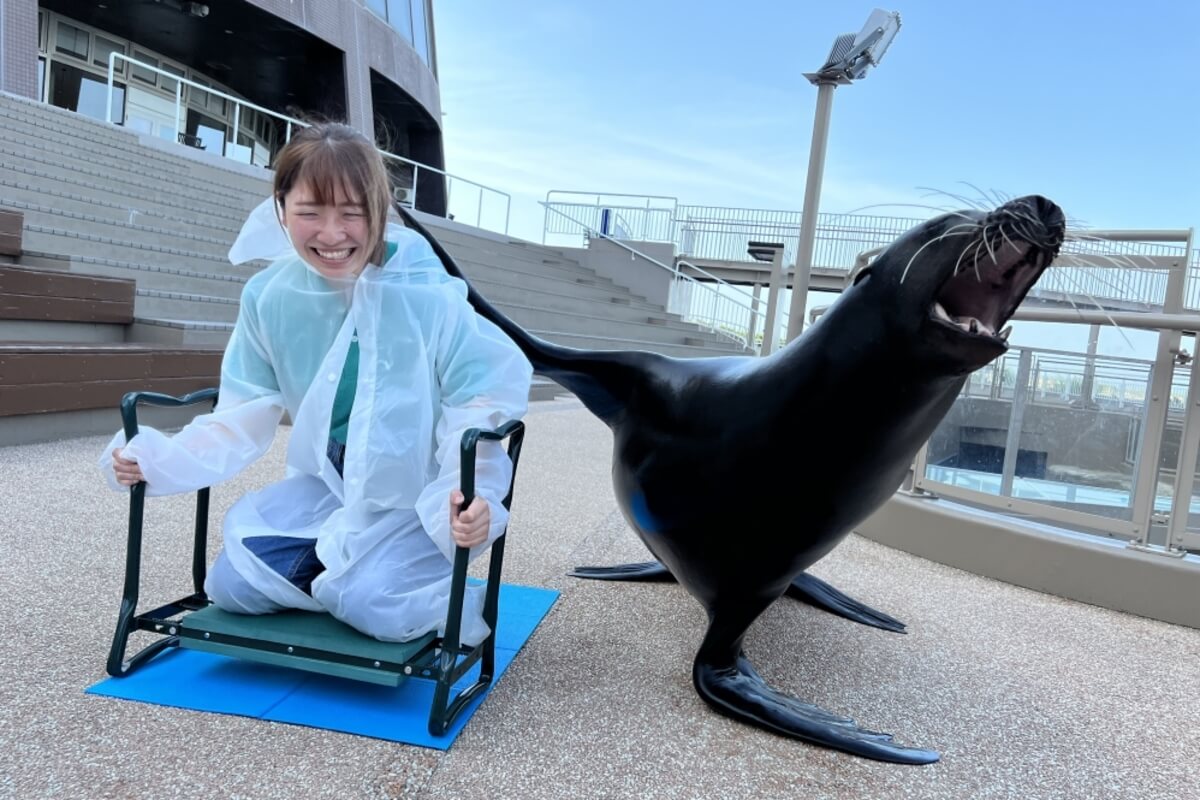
(329, 175)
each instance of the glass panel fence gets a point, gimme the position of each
(1057, 428)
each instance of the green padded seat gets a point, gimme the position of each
(304, 640)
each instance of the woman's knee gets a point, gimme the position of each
(229, 591)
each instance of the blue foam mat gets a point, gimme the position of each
(208, 682)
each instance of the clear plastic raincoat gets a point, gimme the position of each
(429, 368)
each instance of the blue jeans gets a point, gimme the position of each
(293, 557)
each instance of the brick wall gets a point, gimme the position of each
(18, 47)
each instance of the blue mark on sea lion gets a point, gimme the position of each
(641, 512)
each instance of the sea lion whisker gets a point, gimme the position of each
(975, 204)
(1099, 307)
(1010, 242)
(940, 209)
(958, 261)
(990, 198)
(952, 231)
(1097, 242)
(979, 245)
(1025, 217)
(990, 242)
(1118, 287)
(1124, 263)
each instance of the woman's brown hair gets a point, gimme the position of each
(329, 156)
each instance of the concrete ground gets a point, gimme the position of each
(1025, 695)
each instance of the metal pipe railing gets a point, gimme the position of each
(1160, 396)
(289, 123)
(733, 329)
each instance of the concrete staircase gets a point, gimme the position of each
(103, 201)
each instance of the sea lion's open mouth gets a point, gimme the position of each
(983, 294)
(997, 267)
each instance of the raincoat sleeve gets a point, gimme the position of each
(484, 383)
(216, 446)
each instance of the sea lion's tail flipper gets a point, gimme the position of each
(601, 380)
(817, 592)
(725, 679)
(645, 571)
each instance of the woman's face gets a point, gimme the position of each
(333, 239)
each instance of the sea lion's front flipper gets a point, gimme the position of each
(726, 680)
(648, 571)
(814, 591)
(739, 692)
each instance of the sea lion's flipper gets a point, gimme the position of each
(740, 693)
(814, 591)
(647, 571)
(725, 679)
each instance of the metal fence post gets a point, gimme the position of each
(1016, 421)
(774, 297)
(1158, 404)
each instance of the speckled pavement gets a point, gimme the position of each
(1025, 695)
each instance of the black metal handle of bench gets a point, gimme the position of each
(451, 644)
(117, 666)
(130, 401)
(129, 404)
(470, 441)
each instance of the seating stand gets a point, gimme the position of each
(305, 640)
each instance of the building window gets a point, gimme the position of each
(379, 7)
(102, 50)
(85, 93)
(71, 41)
(400, 18)
(169, 83)
(420, 35)
(141, 73)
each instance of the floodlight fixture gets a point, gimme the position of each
(851, 57)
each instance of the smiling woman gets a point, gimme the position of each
(332, 189)
(372, 349)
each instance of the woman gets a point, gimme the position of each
(361, 336)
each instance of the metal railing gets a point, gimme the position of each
(1120, 272)
(230, 143)
(715, 306)
(1152, 494)
(1060, 378)
(652, 220)
(1099, 444)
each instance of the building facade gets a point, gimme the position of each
(372, 63)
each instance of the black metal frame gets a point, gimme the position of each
(444, 660)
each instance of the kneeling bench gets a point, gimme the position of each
(305, 640)
(310, 641)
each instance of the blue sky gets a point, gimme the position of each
(1094, 105)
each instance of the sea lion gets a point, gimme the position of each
(840, 411)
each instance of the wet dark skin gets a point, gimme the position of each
(837, 416)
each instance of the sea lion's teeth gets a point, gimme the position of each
(973, 325)
(941, 312)
(1004, 333)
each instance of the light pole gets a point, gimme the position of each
(849, 60)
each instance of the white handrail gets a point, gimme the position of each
(754, 301)
(677, 275)
(289, 122)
